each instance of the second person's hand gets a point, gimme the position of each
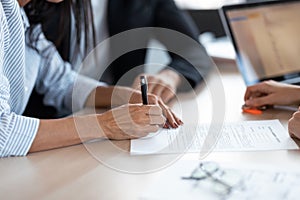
(163, 84)
(271, 93)
(294, 125)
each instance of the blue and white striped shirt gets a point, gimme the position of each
(16, 132)
(44, 69)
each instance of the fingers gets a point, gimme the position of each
(152, 99)
(154, 85)
(154, 110)
(160, 115)
(261, 94)
(256, 90)
(136, 120)
(131, 121)
(144, 115)
(167, 95)
(172, 120)
(156, 116)
(260, 101)
(271, 93)
(294, 125)
(165, 92)
(160, 87)
(149, 121)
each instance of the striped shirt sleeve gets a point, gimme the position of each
(16, 132)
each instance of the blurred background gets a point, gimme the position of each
(201, 10)
(205, 14)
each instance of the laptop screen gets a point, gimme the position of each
(266, 37)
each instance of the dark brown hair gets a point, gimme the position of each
(38, 10)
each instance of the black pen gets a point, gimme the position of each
(144, 89)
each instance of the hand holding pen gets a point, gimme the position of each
(172, 120)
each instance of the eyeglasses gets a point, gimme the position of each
(222, 182)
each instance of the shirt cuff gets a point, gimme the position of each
(83, 87)
(22, 135)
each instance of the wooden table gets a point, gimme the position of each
(75, 173)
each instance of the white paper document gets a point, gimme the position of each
(225, 183)
(239, 136)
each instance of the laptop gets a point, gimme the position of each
(266, 38)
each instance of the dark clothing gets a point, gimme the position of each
(51, 28)
(123, 15)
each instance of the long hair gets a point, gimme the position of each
(39, 10)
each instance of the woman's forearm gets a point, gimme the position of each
(65, 132)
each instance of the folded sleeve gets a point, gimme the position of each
(16, 132)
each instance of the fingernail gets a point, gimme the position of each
(181, 122)
(166, 126)
(175, 125)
